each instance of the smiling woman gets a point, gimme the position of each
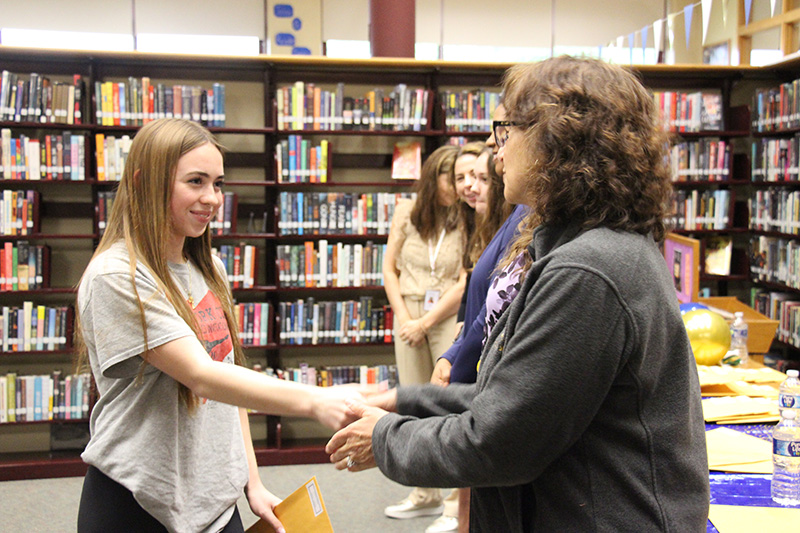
(155, 323)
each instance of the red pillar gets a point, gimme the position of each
(392, 29)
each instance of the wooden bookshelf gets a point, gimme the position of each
(360, 161)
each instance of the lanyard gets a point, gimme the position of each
(433, 254)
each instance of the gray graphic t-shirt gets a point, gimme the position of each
(187, 470)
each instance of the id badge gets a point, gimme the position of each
(431, 297)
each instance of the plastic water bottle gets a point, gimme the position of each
(789, 394)
(738, 349)
(786, 460)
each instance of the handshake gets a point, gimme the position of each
(356, 410)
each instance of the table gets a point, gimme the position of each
(742, 489)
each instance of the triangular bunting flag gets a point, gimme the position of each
(705, 7)
(772, 7)
(630, 45)
(747, 5)
(671, 30)
(658, 30)
(687, 27)
(644, 44)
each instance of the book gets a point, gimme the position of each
(407, 160)
(303, 511)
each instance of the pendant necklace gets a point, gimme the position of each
(190, 299)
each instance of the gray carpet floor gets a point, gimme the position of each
(355, 501)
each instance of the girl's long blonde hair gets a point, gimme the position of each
(140, 219)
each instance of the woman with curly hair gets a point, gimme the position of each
(586, 413)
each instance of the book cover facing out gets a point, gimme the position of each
(407, 161)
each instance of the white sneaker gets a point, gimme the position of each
(443, 524)
(407, 509)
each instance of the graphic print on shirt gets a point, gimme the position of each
(215, 336)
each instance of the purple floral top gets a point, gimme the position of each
(502, 291)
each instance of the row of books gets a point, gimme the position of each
(775, 210)
(695, 210)
(30, 398)
(306, 106)
(327, 376)
(240, 264)
(255, 320)
(706, 159)
(19, 212)
(54, 157)
(111, 154)
(24, 267)
(225, 223)
(331, 213)
(466, 111)
(330, 265)
(785, 308)
(139, 101)
(299, 161)
(344, 322)
(776, 108)
(105, 203)
(37, 99)
(685, 112)
(775, 260)
(35, 327)
(775, 159)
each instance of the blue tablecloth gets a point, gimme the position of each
(742, 489)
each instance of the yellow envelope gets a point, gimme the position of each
(728, 450)
(744, 519)
(303, 511)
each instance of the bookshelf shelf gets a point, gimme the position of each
(37, 292)
(257, 289)
(335, 345)
(401, 184)
(364, 133)
(726, 231)
(43, 422)
(46, 126)
(35, 353)
(306, 290)
(361, 237)
(245, 236)
(50, 236)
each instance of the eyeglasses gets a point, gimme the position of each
(500, 128)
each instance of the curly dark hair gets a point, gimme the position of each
(595, 149)
(427, 216)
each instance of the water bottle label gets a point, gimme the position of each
(789, 400)
(787, 448)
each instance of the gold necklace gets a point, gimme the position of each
(188, 288)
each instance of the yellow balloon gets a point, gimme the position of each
(709, 335)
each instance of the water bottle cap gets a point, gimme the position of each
(789, 414)
(793, 373)
(739, 314)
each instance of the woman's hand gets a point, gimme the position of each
(386, 400)
(329, 407)
(351, 447)
(413, 332)
(441, 372)
(262, 503)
